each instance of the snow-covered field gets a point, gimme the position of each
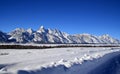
(74, 60)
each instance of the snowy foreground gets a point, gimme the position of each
(76, 60)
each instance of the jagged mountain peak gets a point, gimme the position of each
(30, 30)
(106, 35)
(3, 37)
(43, 35)
(41, 29)
(85, 34)
(19, 29)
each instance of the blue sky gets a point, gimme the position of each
(96, 17)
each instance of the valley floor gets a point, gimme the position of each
(73, 60)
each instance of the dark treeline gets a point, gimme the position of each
(22, 47)
(45, 47)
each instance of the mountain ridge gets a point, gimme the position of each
(43, 35)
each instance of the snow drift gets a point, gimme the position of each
(105, 65)
(60, 61)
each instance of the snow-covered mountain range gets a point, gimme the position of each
(43, 35)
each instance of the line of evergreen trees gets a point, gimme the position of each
(45, 47)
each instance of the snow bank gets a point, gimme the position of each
(56, 61)
(85, 65)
